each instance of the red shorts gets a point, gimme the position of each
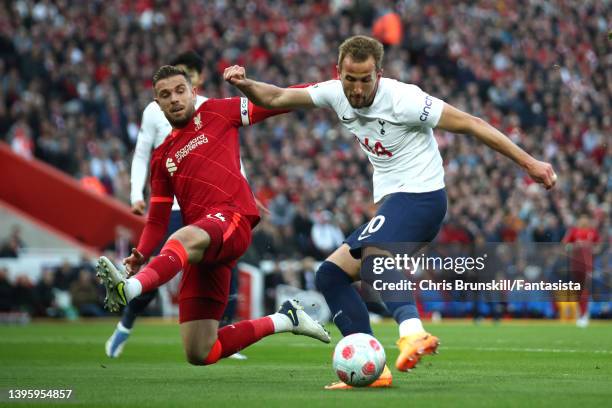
(204, 287)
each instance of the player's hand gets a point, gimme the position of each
(543, 173)
(133, 262)
(235, 75)
(138, 207)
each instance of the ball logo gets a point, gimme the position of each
(348, 352)
(426, 108)
(374, 344)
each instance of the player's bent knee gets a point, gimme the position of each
(195, 241)
(328, 277)
(344, 260)
(204, 353)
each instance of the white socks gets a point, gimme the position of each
(411, 326)
(132, 288)
(281, 322)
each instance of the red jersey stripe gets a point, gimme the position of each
(234, 224)
(162, 199)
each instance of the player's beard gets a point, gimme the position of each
(178, 123)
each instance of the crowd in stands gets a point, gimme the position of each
(65, 290)
(77, 75)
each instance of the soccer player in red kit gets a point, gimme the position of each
(584, 239)
(199, 164)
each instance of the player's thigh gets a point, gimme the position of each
(408, 218)
(230, 235)
(194, 239)
(198, 336)
(344, 260)
(204, 291)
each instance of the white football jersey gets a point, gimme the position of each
(153, 131)
(396, 132)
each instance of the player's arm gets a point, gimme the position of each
(157, 219)
(457, 121)
(258, 113)
(140, 162)
(266, 95)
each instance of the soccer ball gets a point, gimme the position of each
(359, 359)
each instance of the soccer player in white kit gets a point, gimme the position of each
(393, 122)
(153, 131)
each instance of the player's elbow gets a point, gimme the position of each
(276, 100)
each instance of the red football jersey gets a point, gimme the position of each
(200, 163)
(583, 240)
(582, 235)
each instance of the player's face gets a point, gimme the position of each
(176, 98)
(359, 81)
(196, 77)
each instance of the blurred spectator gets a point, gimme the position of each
(267, 241)
(85, 296)
(325, 235)
(11, 246)
(24, 298)
(6, 291)
(45, 296)
(64, 275)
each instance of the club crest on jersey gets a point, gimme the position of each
(197, 122)
(171, 166)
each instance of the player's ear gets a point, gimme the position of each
(379, 73)
(338, 71)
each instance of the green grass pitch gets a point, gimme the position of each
(517, 363)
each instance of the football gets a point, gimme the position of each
(359, 359)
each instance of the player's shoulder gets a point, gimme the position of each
(332, 84)
(399, 88)
(223, 105)
(216, 103)
(152, 108)
(153, 113)
(327, 94)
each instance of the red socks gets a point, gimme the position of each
(235, 337)
(171, 260)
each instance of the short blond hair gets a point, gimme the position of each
(360, 48)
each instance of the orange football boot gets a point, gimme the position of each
(384, 381)
(413, 347)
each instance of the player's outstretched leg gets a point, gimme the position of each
(116, 342)
(348, 308)
(291, 317)
(414, 342)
